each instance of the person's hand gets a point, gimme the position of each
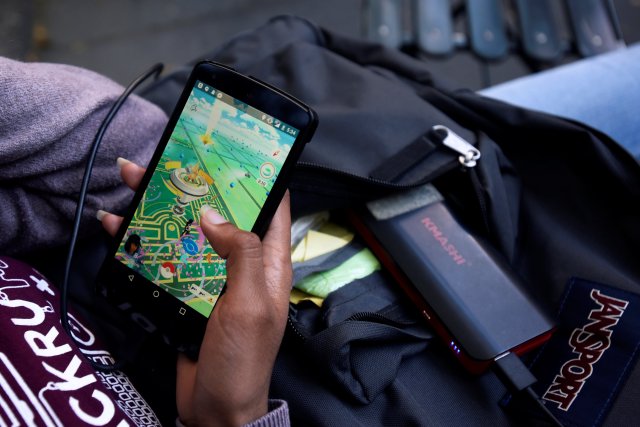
(230, 382)
(131, 175)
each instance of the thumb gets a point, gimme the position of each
(241, 249)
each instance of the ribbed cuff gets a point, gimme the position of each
(278, 415)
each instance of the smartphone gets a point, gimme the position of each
(231, 143)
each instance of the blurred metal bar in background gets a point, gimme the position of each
(540, 34)
(434, 27)
(595, 26)
(382, 22)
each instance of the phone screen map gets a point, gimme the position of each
(222, 153)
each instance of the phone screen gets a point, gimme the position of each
(223, 153)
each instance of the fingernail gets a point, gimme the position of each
(121, 161)
(212, 215)
(101, 214)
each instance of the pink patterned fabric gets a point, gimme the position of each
(45, 378)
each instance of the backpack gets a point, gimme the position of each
(554, 197)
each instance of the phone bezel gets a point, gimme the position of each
(185, 328)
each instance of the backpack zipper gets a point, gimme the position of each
(291, 325)
(369, 180)
(469, 156)
(482, 202)
(376, 317)
(360, 316)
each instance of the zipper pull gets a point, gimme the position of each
(468, 153)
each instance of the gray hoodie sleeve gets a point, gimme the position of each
(278, 416)
(49, 114)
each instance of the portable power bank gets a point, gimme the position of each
(463, 288)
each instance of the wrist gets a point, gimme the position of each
(278, 415)
(227, 416)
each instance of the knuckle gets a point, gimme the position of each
(247, 242)
(253, 318)
(264, 316)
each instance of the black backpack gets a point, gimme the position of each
(556, 198)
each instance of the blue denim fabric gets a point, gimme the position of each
(601, 91)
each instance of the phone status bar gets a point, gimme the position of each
(245, 108)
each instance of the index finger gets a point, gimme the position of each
(242, 251)
(276, 246)
(130, 172)
(278, 236)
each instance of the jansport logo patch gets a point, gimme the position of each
(589, 343)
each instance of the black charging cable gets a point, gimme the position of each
(518, 379)
(64, 316)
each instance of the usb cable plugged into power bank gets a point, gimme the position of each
(463, 288)
(466, 291)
